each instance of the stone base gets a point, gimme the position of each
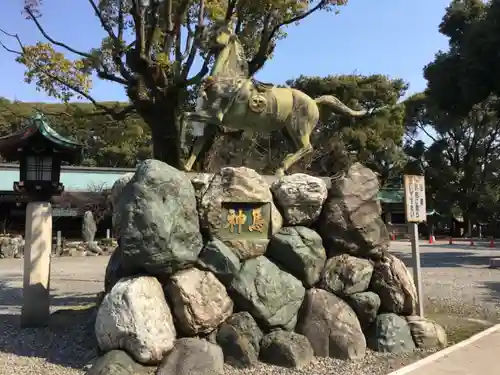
(495, 263)
(35, 311)
(38, 245)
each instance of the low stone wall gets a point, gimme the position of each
(229, 268)
(13, 247)
(81, 248)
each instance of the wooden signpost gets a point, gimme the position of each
(416, 212)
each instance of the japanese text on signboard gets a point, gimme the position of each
(415, 205)
(245, 220)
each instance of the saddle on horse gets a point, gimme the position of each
(262, 86)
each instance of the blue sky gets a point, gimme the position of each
(392, 37)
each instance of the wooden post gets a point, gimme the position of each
(35, 311)
(416, 212)
(59, 242)
(417, 273)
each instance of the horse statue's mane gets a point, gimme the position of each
(231, 60)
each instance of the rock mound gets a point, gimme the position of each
(206, 273)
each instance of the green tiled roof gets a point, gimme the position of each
(39, 122)
(395, 196)
(389, 195)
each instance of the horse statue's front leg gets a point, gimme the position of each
(201, 139)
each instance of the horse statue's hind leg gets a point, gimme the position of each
(303, 146)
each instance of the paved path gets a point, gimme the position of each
(476, 356)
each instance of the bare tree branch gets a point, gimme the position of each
(104, 24)
(117, 115)
(169, 28)
(194, 47)
(230, 9)
(52, 40)
(118, 51)
(197, 77)
(137, 12)
(154, 24)
(111, 77)
(261, 56)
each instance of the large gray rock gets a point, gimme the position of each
(200, 302)
(300, 251)
(331, 326)
(366, 306)
(228, 188)
(426, 333)
(219, 259)
(193, 356)
(271, 295)
(286, 349)
(344, 275)
(116, 362)
(89, 227)
(116, 190)
(350, 221)
(159, 230)
(300, 198)
(239, 337)
(135, 317)
(114, 270)
(392, 281)
(118, 186)
(391, 334)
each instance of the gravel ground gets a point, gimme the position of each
(456, 281)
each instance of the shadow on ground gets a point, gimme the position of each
(446, 259)
(13, 296)
(493, 290)
(68, 341)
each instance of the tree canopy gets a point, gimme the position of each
(458, 115)
(469, 71)
(107, 143)
(149, 48)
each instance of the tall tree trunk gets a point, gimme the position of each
(162, 118)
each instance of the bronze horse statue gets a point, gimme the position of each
(230, 99)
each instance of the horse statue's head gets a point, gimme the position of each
(230, 57)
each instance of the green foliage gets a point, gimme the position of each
(462, 162)
(469, 72)
(459, 114)
(108, 143)
(149, 48)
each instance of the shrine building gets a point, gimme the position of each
(83, 185)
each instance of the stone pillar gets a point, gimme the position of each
(38, 245)
(58, 242)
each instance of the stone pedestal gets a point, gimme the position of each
(38, 244)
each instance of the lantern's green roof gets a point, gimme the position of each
(39, 130)
(41, 124)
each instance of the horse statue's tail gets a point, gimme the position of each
(336, 106)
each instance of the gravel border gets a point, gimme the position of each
(467, 289)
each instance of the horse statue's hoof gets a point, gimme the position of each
(280, 172)
(186, 168)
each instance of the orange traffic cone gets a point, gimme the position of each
(393, 237)
(492, 243)
(431, 239)
(451, 241)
